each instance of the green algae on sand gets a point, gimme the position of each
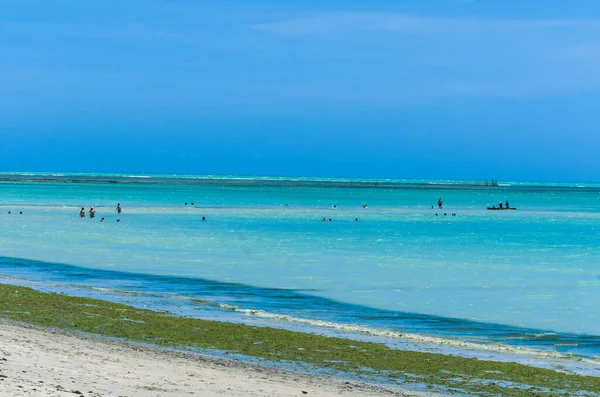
(441, 372)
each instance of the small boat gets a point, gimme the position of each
(500, 209)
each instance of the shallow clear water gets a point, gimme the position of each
(529, 277)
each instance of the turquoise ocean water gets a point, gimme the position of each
(524, 279)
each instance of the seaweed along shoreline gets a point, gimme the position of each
(364, 360)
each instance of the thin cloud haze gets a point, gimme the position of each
(340, 23)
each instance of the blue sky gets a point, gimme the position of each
(424, 89)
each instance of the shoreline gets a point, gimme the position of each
(360, 360)
(55, 362)
(396, 339)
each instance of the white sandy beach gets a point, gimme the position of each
(36, 361)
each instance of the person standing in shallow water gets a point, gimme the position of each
(440, 203)
(82, 213)
(92, 212)
(119, 208)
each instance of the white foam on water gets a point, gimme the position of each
(542, 334)
(495, 347)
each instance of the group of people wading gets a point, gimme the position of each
(92, 212)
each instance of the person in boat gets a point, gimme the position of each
(500, 205)
(82, 213)
(507, 205)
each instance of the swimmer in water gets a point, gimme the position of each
(118, 220)
(355, 219)
(203, 218)
(365, 206)
(287, 205)
(324, 220)
(102, 220)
